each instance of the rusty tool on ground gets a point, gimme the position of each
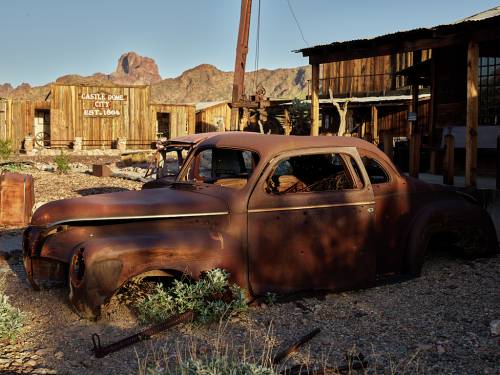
(102, 351)
(354, 362)
(296, 345)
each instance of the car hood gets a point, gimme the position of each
(129, 205)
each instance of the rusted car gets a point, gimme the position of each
(280, 213)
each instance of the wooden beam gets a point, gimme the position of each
(472, 114)
(498, 163)
(315, 100)
(374, 124)
(415, 136)
(449, 159)
(434, 160)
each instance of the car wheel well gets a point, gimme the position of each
(467, 241)
(442, 241)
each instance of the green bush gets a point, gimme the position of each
(11, 319)
(62, 162)
(5, 149)
(210, 298)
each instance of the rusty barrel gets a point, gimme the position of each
(17, 198)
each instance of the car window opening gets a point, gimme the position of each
(311, 173)
(224, 167)
(376, 173)
(172, 159)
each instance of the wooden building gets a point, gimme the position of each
(213, 116)
(93, 117)
(457, 64)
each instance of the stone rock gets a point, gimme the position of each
(42, 352)
(59, 355)
(424, 347)
(44, 371)
(495, 327)
(440, 349)
(31, 363)
(133, 68)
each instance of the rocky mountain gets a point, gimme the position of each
(135, 69)
(201, 83)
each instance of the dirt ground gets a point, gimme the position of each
(435, 324)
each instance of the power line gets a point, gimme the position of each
(296, 22)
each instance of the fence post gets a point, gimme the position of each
(449, 160)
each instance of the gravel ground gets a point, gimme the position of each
(435, 324)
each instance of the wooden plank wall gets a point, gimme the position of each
(395, 119)
(18, 121)
(182, 118)
(206, 119)
(3, 119)
(68, 120)
(369, 76)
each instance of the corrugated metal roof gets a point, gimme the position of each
(493, 12)
(204, 105)
(418, 32)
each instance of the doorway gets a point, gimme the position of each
(42, 127)
(163, 124)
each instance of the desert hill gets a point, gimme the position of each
(201, 83)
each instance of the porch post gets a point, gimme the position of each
(472, 114)
(374, 127)
(414, 136)
(315, 100)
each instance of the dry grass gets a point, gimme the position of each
(190, 356)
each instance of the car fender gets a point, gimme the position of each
(100, 266)
(446, 215)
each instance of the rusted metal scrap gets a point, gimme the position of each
(354, 362)
(295, 346)
(102, 351)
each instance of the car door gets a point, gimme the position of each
(392, 206)
(310, 221)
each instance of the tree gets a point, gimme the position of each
(342, 112)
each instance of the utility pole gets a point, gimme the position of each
(240, 61)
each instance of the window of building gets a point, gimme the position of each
(376, 173)
(489, 91)
(308, 173)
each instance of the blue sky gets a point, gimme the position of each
(42, 40)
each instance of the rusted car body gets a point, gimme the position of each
(280, 213)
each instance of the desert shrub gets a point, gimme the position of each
(215, 365)
(62, 163)
(271, 298)
(11, 318)
(211, 298)
(5, 149)
(14, 167)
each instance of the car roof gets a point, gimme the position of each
(195, 138)
(271, 144)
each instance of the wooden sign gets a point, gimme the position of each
(101, 104)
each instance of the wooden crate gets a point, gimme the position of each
(17, 198)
